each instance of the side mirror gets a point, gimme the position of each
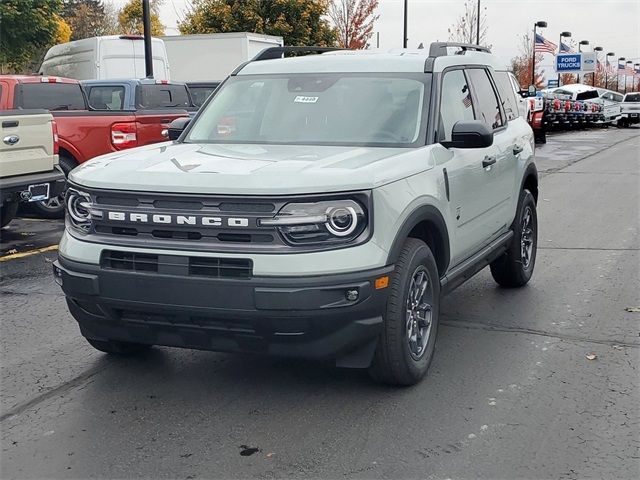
(532, 90)
(472, 134)
(177, 127)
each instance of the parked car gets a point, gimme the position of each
(200, 91)
(217, 54)
(105, 57)
(609, 100)
(137, 94)
(83, 133)
(630, 109)
(316, 207)
(28, 160)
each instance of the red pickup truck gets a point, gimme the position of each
(83, 133)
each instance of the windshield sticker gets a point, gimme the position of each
(303, 99)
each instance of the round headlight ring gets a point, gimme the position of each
(77, 211)
(336, 217)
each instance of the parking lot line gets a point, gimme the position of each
(28, 253)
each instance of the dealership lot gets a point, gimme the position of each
(540, 382)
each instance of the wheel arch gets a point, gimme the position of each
(426, 223)
(530, 180)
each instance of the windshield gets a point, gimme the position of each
(632, 97)
(310, 109)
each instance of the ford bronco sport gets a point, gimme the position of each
(317, 206)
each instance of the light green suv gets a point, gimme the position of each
(317, 206)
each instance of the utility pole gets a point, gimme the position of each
(478, 25)
(405, 39)
(146, 22)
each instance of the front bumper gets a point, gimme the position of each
(631, 117)
(15, 188)
(307, 317)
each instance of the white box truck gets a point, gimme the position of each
(107, 57)
(212, 57)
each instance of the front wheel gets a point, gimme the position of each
(406, 346)
(515, 267)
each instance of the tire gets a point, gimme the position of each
(54, 207)
(400, 358)
(8, 212)
(117, 348)
(515, 267)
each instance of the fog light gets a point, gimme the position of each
(352, 295)
(57, 274)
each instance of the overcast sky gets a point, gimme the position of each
(612, 24)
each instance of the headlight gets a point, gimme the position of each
(335, 221)
(78, 210)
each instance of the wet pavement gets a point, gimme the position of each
(540, 382)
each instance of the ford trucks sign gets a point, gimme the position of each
(576, 62)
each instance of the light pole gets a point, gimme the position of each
(541, 24)
(606, 71)
(146, 22)
(621, 59)
(478, 25)
(593, 76)
(405, 39)
(582, 42)
(629, 62)
(562, 35)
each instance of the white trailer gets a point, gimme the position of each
(107, 57)
(212, 57)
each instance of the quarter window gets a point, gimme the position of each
(487, 104)
(455, 103)
(106, 97)
(507, 95)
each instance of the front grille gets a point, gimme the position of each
(210, 267)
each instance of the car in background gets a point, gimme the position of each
(138, 94)
(630, 109)
(111, 56)
(200, 91)
(609, 100)
(84, 133)
(28, 160)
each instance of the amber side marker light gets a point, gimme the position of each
(382, 282)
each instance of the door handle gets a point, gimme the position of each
(517, 149)
(488, 161)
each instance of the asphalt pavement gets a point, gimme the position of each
(540, 382)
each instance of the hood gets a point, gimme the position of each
(233, 169)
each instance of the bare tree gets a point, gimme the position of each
(466, 27)
(522, 64)
(353, 20)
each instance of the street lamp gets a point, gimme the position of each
(562, 35)
(582, 42)
(636, 66)
(405, 39)
(629, 62)
(593, 75)
(606, 70)
(541, 24)
(621, 59)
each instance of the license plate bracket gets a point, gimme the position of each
(38, 192)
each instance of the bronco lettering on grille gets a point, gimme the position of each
(164, 219)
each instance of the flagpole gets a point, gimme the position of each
(562, 34)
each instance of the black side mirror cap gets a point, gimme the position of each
(471, 134)
(177, 127)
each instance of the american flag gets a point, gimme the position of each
(625, 69)
(543, 45)
(565, 48)
(466, 101)
(610, 68)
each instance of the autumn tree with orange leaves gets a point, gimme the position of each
(353, 20)
(522, 64)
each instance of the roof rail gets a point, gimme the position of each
(279, 52)
(439, 49)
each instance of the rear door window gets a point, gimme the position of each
(486, 102)
(456, 104)
(106, 97)
(507, 95)
(51, 96)
(159, 96)
(632, 97)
